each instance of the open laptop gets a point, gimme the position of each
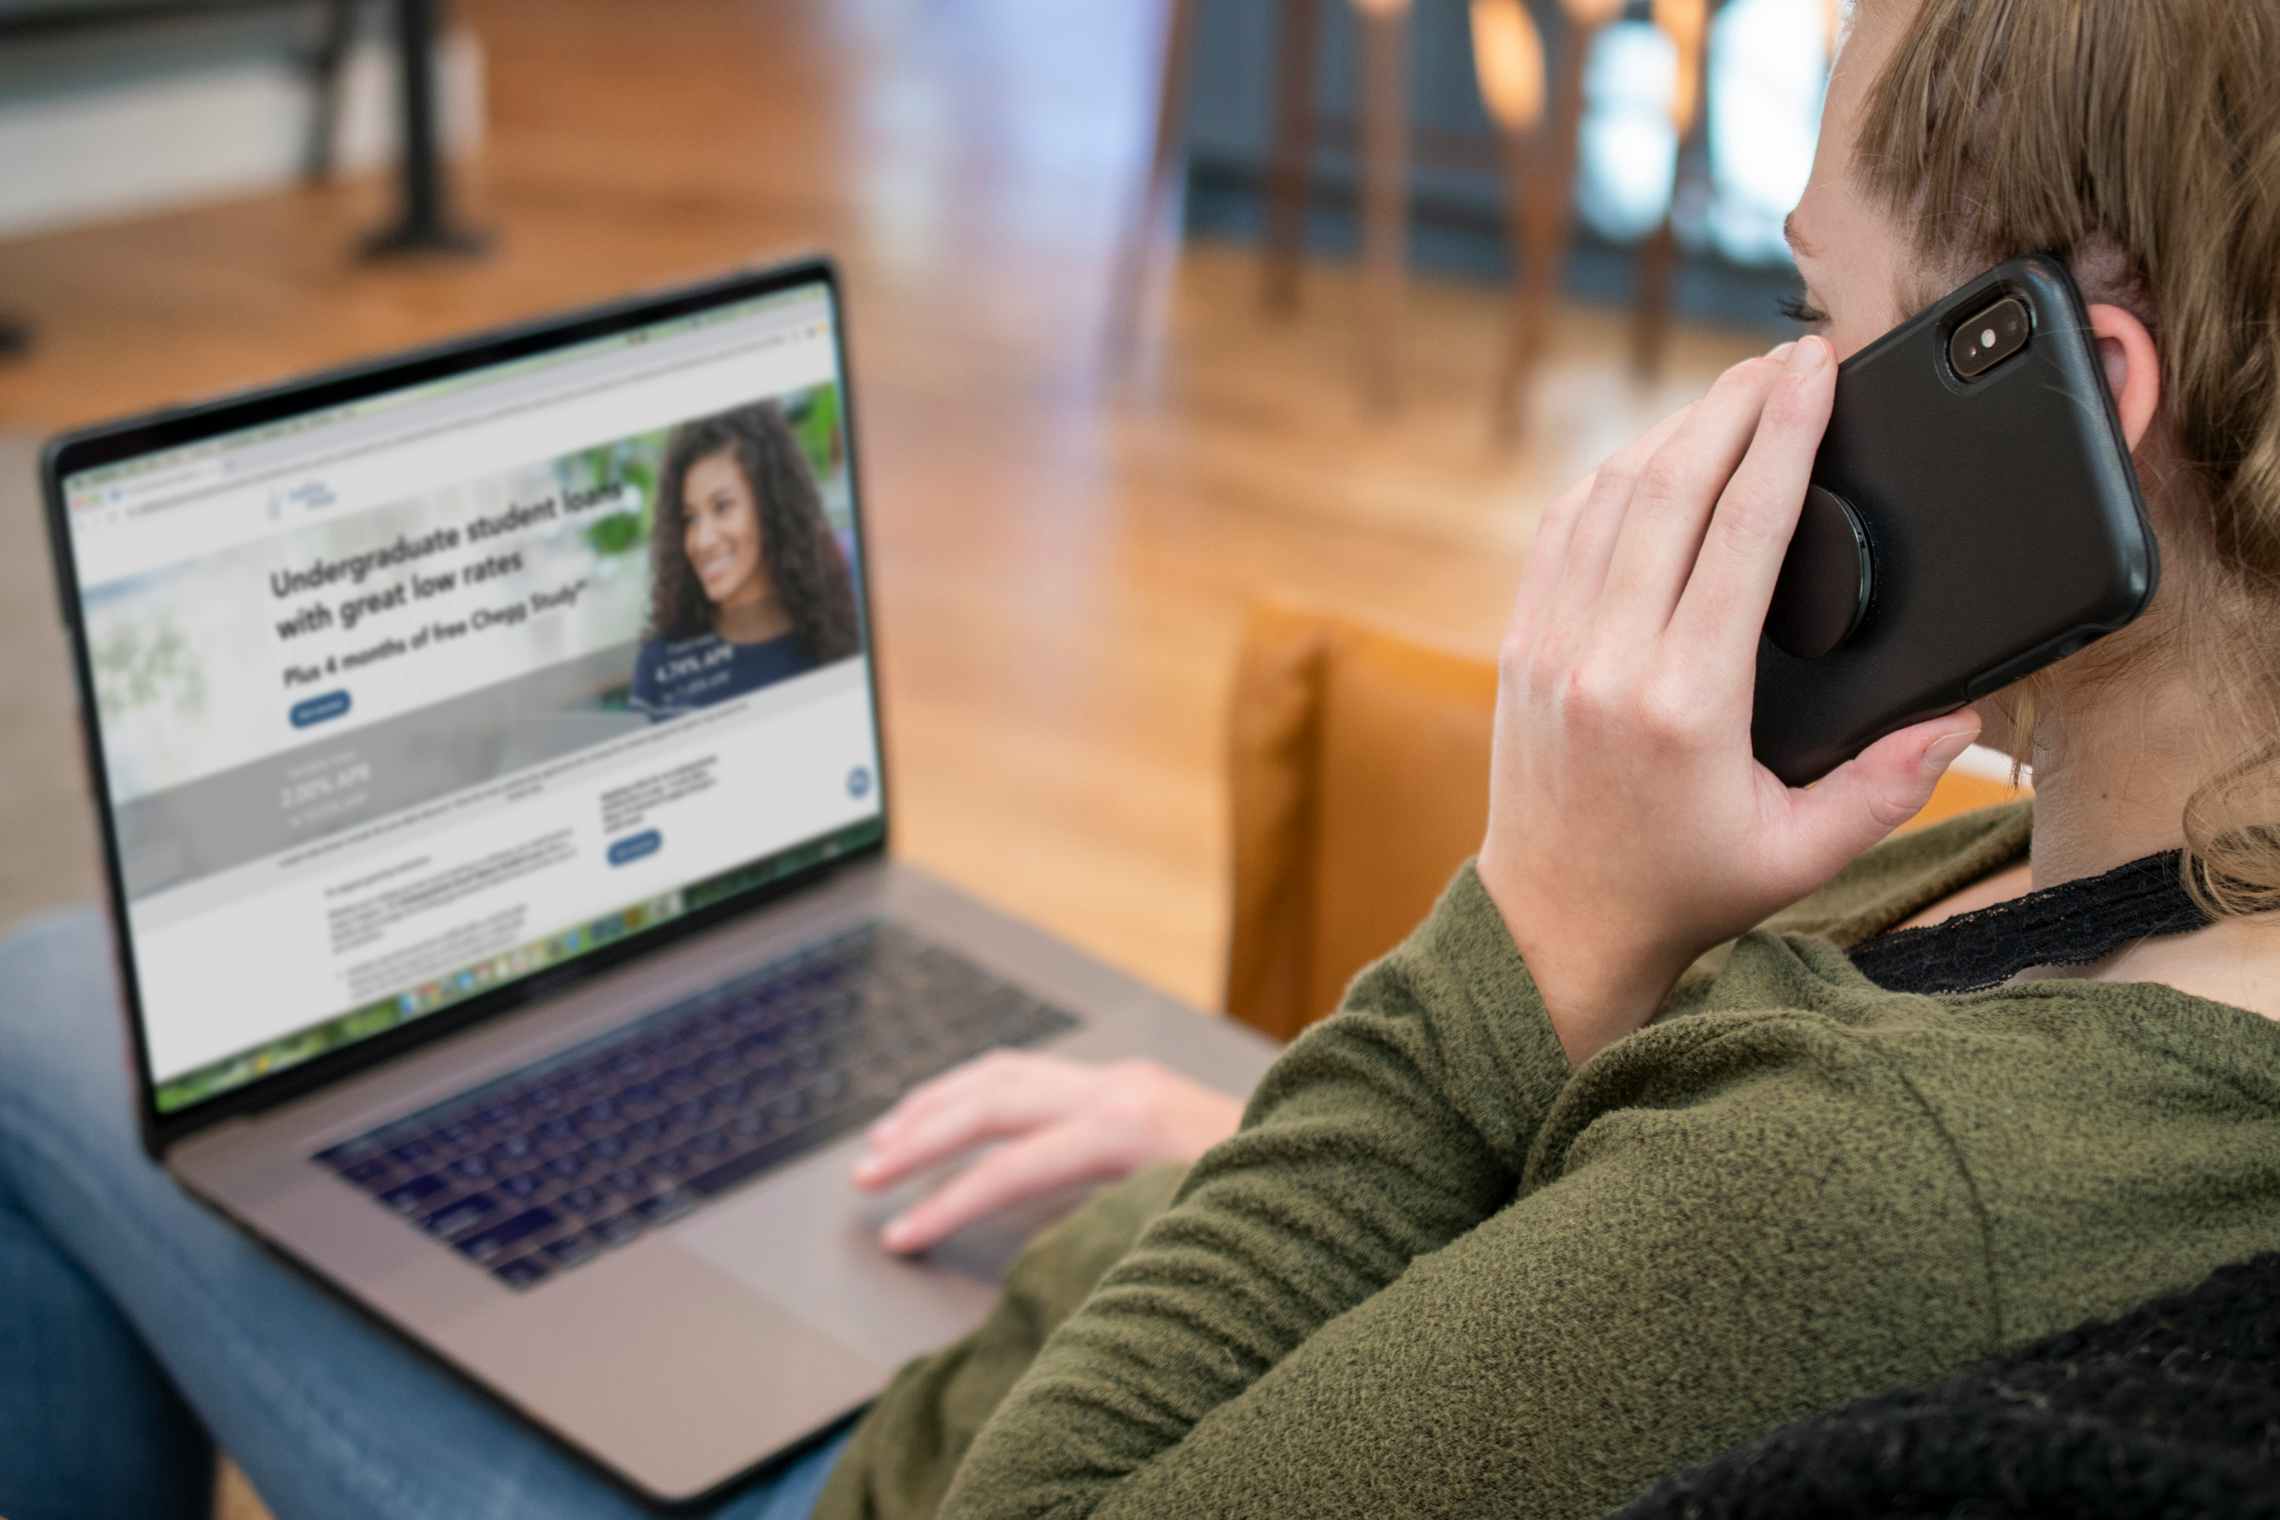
(501, 942)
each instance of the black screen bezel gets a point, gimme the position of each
(93, 447)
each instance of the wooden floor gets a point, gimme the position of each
(1063, 556)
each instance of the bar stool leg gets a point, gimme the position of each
(1135, 260)
(425, 223)
(1542, 197)
(1687, 22)
(1385, 190)
(1297, 48)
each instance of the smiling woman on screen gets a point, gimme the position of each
(758, 590)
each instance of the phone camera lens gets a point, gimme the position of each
(1988, 338)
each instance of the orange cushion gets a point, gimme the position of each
(1358, 779)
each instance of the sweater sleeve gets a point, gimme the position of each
(901, 1456)
(1356, 1307)
(1381, 1135)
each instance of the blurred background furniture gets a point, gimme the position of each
(1358, 782)
(424, 220)
(1529, 64)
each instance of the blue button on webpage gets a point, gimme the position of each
(634, 846)
(316, 709)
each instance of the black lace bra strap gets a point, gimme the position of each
(2068, 925)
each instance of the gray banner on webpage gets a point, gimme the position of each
(328, 785)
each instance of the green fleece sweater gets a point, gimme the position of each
(1439, 1273)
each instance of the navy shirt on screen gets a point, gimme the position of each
(675, 675)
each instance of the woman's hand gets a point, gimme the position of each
(1061, 1122)
(1630, 826)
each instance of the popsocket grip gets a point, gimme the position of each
(1825, 582)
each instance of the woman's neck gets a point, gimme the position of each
(2111, 784)
(2112, 775)
(753, 619)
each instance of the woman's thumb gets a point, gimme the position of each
(1856, 805)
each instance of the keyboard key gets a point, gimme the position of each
(615, 1231)
(662, 1208)
(494, 1240)
(406, 1197)
(579, 1200)
(527, 1272)
(507, 1152)
(463, 1214)
(349, 1152)
(570, 1251)
(521, 1185)
(367, 1172)
(716, 1180)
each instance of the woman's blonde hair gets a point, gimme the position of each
(2142, 139)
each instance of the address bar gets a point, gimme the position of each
(451, 413)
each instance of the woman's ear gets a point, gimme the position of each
(2133, 369)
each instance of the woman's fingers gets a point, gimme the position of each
(1013, 1173)
(1004, 1093)
(1548, 552)
(1598, 520)
(1555, 531)
(1723, 609)
(995, 1069)
(1855, 806)
(1678, 489)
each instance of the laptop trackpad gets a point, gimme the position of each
(810, 1241)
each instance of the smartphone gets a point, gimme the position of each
(1974, 516)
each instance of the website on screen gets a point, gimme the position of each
(408, 700)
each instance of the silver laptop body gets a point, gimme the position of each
(397, 859)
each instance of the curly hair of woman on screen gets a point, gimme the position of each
(748, 583)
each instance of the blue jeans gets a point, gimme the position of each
(137, 1329)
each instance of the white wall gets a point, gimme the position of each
(136, 118)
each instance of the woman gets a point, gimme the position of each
(1539, 1215)
(1542, 1214)
(759, 590)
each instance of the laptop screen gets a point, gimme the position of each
(404, 699)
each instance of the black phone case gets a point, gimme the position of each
(2002, 520)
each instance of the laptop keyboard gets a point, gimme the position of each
(539, 1172)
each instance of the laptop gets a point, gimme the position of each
(491, 775)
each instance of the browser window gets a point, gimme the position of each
(409, 698)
